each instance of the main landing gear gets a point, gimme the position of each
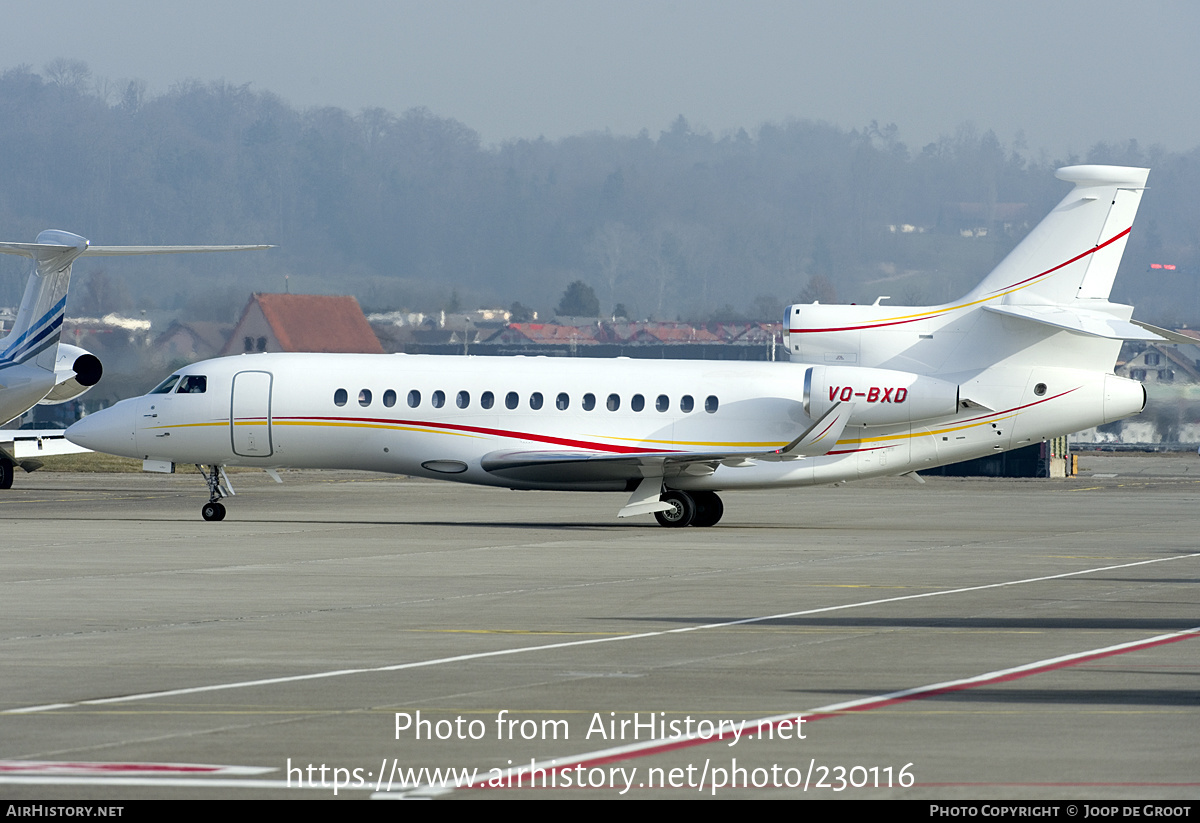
(690, 509)
(213, 510)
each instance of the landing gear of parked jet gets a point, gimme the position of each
(690, 509)
(213, 510)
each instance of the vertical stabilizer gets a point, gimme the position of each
(1073, 254)
(34, 336)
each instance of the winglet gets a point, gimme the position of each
(821, 436)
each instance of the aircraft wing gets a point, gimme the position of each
(27, 443)
(558, 466)
(33, 249)
(595, 467)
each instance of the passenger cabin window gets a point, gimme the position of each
(165, 386)
(439, 399)
(414, 399)
(614, 402)
(686, 403)
(487, 399)
(535, 400)
(463, 399)
(662, 403)
(637, 403)
(364, 397)
(589, 401)
(562, 401)
(511, 400)
(340, 397)
(193, 384)
(389, 398)
(710, 403)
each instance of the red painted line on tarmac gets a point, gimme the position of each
(72, 767)
(635, 750)
(1069, 785)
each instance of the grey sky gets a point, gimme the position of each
(1066, 73)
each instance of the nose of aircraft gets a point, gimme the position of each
(109, 430)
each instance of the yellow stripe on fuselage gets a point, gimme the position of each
(640, 441)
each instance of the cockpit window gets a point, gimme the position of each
(193, 384)
(165, 386)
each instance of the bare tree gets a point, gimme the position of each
(68, 74)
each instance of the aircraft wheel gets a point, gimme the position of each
(213, 512)
(681, 513)
(6, 474)
(709, 509)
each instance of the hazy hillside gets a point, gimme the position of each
(402, 209)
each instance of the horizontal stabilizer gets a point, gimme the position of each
(35, 332)
(34, 250)
(1086, 321)
(1167, 334)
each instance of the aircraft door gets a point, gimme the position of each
(250, 414)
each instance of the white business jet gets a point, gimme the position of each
(870, 391)
(34, 366)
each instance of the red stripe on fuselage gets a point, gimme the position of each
(998, 291)
(453, 427)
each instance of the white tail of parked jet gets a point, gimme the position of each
(34, 336)
(870, 391)
(1058, 278)
(34, 368)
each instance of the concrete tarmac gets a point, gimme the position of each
(1007, 639)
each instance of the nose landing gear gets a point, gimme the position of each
(218, 487)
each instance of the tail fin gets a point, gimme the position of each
(1073, 254)
(1059, 277)
(35, 332)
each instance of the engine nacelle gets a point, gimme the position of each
(75, 371)
(881, 397)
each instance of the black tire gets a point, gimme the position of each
(6, 474)
(213, 512)
(681, 513)
(709, 509)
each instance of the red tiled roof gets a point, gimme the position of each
(318, 323)
(545, 333)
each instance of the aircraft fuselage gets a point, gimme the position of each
(443, 416)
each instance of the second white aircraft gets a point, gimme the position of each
(870, 391)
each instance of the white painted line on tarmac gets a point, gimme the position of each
(512, 778)
(515, 777)
(463, 658)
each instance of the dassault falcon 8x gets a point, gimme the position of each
(869, 391)
(34, 366)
